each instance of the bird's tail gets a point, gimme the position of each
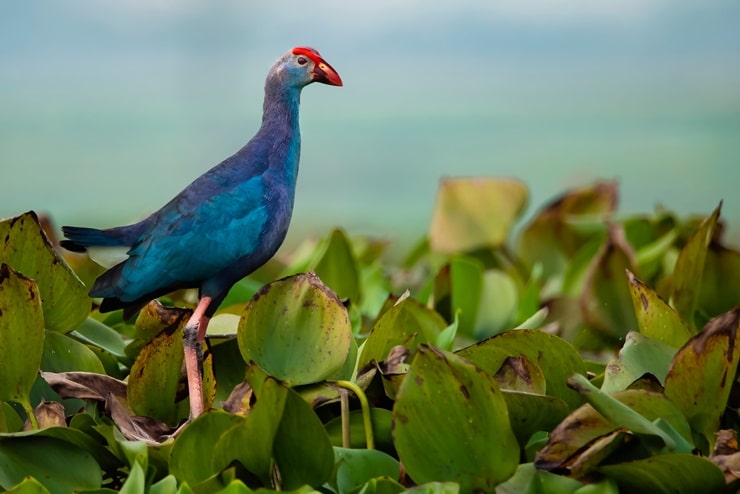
(79, 238)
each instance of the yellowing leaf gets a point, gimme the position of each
(472, 213)
(24, 246)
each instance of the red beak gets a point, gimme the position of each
(325, 73)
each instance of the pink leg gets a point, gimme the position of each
(193, 336)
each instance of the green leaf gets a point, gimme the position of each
(190, 461)
(668, 473)
(26, 248)
(552, 237)
(498, 307)
(655, 318)
(687, 275)
(557, 359)
(337, 267)
(605, 300)
(466, 283)
(167, 485)
(408, 323)
(620, 414)
(703, 371)
(584, 438)
(104, 337)
(135, 482)
(75, 437)
(61, 468)
(446, 338)
(258, 430)
(29, 486)
(527, 479)
(435, 488)
(720, 283)
(530, 413)
(354, 467)
(450, 422)
(155, 376)
(21, 335)
(471, 213)
(296, 329)
(639, 356)
(62, 354)
(303, 452)
(9, 419)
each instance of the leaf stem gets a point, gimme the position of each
(366, 418)
(344, 403)
(26, 404)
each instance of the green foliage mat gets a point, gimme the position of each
(590, 353)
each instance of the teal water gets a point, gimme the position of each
(103, 120)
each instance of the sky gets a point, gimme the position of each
(109, 108)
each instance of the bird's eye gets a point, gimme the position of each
(301, 61)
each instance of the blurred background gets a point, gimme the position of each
(109, 108)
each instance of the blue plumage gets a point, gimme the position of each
(220, 228)
(229, 221)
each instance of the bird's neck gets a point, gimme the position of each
(280, 109)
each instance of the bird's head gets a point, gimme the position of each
(302, 66)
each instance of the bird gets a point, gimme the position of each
(224, 225)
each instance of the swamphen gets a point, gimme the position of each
(221, 227)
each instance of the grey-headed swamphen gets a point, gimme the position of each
(221, 227)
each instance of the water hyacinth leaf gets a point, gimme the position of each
(62, 468)
(155, 377)
(258, 430)
(9, 419)
(354, 467)
(408, 323)
(466, 283)
(26, 248)
(720, 283)
(703, 371)
(557, 359)
(551, 238)
(620, 414)
(155, 318)
(187, 462)
(580, 266)
(450, 422)
(530, 413)
(606, 300)
(585, 426)
(667, 473)
(638, 356)
(521, 374)
(225, 356)
(433, 488)
(65, 354)
(73, 436)
(21, 335)
(336, 266)
(29, 486)
(687, 275)
(527, 479)
(499, 302)
(296, 329)
(135, 482)
(302, 450)
(95, 333)
(223, 325)
(655, 318)
(167, 485)
(472, 213)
